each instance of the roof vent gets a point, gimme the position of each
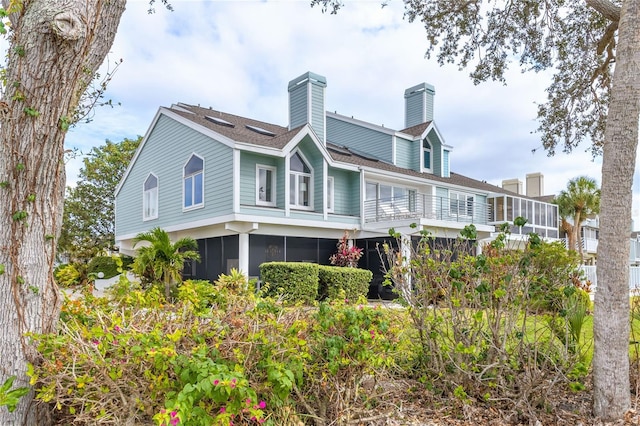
(219, 121)
(260, 130)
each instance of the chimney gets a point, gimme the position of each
(513, 185)
(418, 104)
(306, 103)
(535, 185)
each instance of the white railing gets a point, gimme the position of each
(634, 276)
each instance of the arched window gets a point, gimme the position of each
(193, 191)
(150, 198)
(300, 179)
(426, 155)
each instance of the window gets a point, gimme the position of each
(330, 194)
(193, 183)
(265, 185)
(299, 182)
(460, 204)
(426, 155)
(150, 198)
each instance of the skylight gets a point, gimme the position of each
(260, 130)
(219, 121)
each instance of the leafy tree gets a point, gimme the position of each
(580, 200)
(161, 261)
(88, 225)
(55, 49)
(581, 41)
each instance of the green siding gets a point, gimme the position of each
(365, 140)
(346, 192)
(248, 162)
(414, 110)
(315, 159)
(166, 151)
(298, 106)
(436, 152)
(404, 154)
(317, 110)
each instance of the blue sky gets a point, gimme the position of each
(238, 56)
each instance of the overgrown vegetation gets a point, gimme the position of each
(504, 329)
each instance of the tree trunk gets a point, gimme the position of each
(55, 48)
(611, 397)
(571, 236)
(577, 228)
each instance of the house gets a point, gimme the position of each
(252, 192)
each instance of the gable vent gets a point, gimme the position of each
(259, 130)
(219, 121)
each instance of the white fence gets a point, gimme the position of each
(634, 276)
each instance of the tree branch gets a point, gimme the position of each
(606, 9)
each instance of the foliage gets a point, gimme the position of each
(10, 397)
(89, 218)
(580, 200)
(296, 281)
(68, 275)
(218, 355)
(335, 282)
(346, 254)
(162, 261)
(105, 264)
(471, 314)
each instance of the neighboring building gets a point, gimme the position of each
(252, 192)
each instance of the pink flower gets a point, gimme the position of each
(216, 382)
(262, 405)
(174, 421)
(232, 384)
(222, 410)
(118, 329)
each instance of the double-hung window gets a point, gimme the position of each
(460, 204)
(300, 179)
(265, 185)
(193, 189)
(150, 198)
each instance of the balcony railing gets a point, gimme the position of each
(428, 207)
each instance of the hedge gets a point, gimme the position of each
(298, 281)
(105, 264)
(333, 279)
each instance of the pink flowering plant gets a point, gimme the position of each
(346, 255)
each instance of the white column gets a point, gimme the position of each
(243, 253)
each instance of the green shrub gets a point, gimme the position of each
(67, 275)
(297, 281)
(105, 264)
(333, 279)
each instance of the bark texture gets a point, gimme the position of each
(611, 314)
(55, 48)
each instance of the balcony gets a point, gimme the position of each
(424, 206)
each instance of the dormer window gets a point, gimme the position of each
(300, 178)
(193, 190)
(426, 156)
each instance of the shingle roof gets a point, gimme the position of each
(235, 127)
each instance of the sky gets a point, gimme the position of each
(238, 57)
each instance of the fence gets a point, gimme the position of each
(634, 276)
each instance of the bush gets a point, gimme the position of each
(67, 275)
(105, 264)
(334, 279)
(297, 281)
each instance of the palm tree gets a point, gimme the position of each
(580, 200)
(161, 261)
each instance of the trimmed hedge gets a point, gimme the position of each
(333, 279)
(298, 281)
(105, 264)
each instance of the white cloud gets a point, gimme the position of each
(238, 56)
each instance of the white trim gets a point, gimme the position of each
(367, 125)
(274, 184)
(144, 197)
(199, 205)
